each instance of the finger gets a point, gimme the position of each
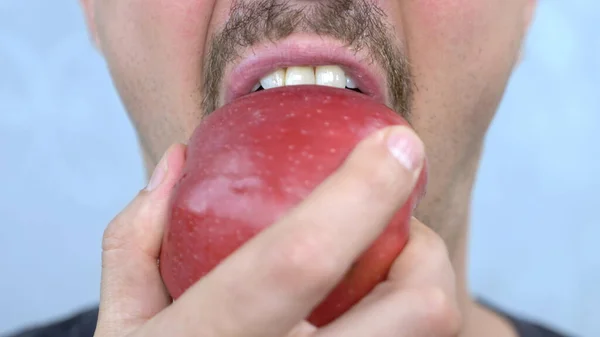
(304, 329)
(273, 282)
(424, 261)
(418, 299)
(390, 311)
(132, 290)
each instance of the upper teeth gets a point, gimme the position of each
(332, 76)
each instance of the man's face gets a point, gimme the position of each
(442, 64)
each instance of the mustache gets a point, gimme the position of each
(359, 24)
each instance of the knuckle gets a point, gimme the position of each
(441, 312)
(304, 262)
(113, 237)
(123, 227)
(437, 248)
(433, 248)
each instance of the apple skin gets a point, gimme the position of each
(251, 161)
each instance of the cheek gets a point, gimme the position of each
(462, 53)
(154, 28)
(186, 17)
(154, 51)
(456, 17)
(454, 27)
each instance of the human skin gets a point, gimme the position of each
(461, 55)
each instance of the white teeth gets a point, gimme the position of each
(299, 75)
(274, 79)
(350, 83)
(328, 75)
(332, 76)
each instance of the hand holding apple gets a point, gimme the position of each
(268, 286)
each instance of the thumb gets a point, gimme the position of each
(132, 290)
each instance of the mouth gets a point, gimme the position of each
(304, 60)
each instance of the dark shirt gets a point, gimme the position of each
(84, 323)
(529, 329)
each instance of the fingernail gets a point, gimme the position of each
(160, 171)
(404, 145)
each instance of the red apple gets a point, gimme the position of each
(251, 161)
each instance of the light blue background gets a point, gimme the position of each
(69, 162)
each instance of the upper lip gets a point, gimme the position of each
(308, 51)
